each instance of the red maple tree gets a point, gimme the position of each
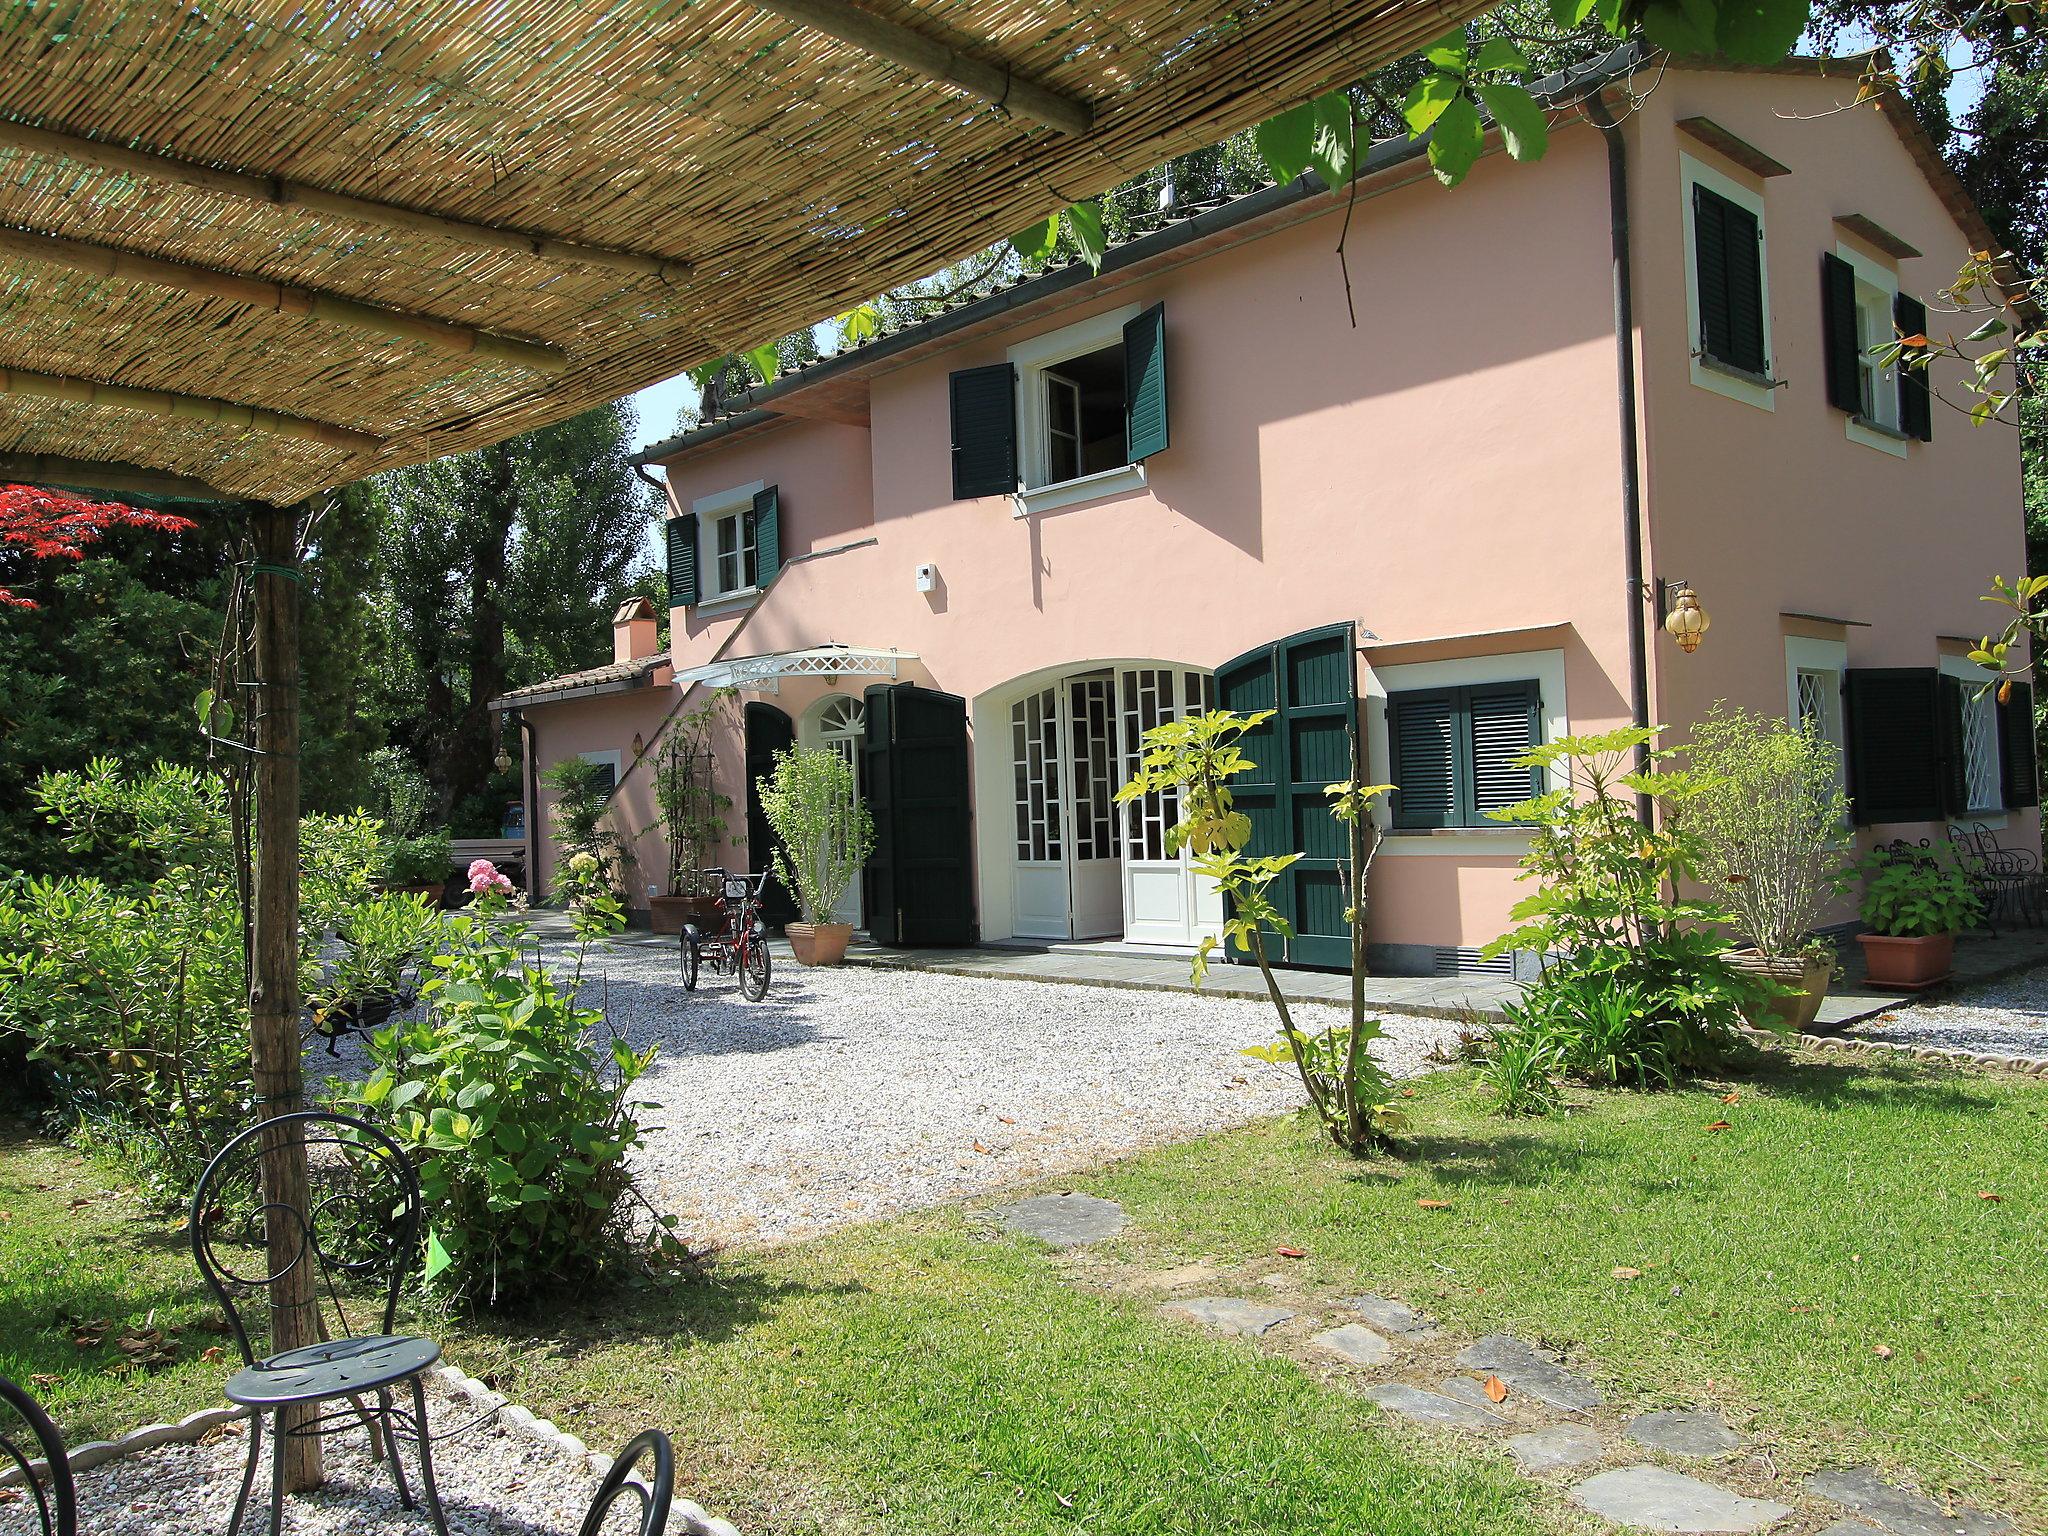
(55, 525)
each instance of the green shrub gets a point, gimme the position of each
(1914, 893)
(517, 1107)
(1522, 1064)
(580, 816)
(132, 828)
(426, 858)
(824, 827)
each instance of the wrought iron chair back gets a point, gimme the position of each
(655, 1492)
(359, 1227)
(36, 1460)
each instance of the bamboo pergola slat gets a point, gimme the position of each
(157, 402)
(468, 165)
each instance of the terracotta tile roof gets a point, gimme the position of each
(614, 677)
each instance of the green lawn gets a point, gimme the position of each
(932, 1374)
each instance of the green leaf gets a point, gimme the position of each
(1499, 53)
(1335, 138)
(1448, 51)
(766, 360)
(1682, 26)
(861, 323)
(1426, 101)
(529, 1193)
(1084, 223)
(437, 1256)
(1569, 13)
(1036, 243)
(1761, 31)
(1523, 127)
(1455, 142)
(1284, 142)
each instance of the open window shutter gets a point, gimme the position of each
(767, 534)
(1895, 744)
(1955, 773)
(1506, 723)
(984, 431)
(1916, 399)
(1145, 384)
(2016, 746)
(1839, 344)
(1422, 735)
(1728, 266)
(682, 560)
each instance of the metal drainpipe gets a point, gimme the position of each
(1625, 401)
(531, 753)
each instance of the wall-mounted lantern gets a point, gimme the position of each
(503, 761)
(639, 746)
(1684, 619)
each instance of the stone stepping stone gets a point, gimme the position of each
(1433, 1407)
(1683, 1432)
(1389, 1315)
(1901, 1511)
(1065, 1221)
(1468, 1390)
(1230, 1314)
(1356, 1344)
(1556, 1447)
(1851, 1528)
(1658, 1499)
(1523, 1369)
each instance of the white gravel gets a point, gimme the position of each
(491, 1481)
(853, 1093)
(2000, 1018)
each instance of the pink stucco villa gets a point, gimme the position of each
(982, 554)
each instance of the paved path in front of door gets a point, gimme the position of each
(1681, 1470)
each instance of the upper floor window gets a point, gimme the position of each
(1862, 314)
(1068, 417)
(737, 566)
(1728, 286)
(727, 546)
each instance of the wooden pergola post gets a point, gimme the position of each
(274, 949)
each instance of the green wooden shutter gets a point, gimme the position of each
(1422, 736)
(1145, 425)
(767, 535)
(920, 877)
(1916, 399)
(1505, 720)
(1840, 347)
(1728, 268)
(984, 431)
(2016, 745)
(1954, 761)
(1896, 765)
(682, 560)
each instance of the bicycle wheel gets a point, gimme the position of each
(754, 970)
(689, 964)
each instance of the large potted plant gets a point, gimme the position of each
(1915, 902)
(1764, 805)
(418, 866)
(826, 834)
(692, 814)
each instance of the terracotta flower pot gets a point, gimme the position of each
(1794, 1010)
(1907, 965)
(668, 914)
(819, 943)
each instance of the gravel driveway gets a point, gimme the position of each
(2000, 1018)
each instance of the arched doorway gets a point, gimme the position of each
(839, 724)
(768, 731)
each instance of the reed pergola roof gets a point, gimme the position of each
(271, 248)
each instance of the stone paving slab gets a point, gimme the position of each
(1851, 1528)
(1902, 1511)
(1555, 1447)
(1683, 1432)
(1356, 1344)
(1524, 1369)
(1658, 1499)
(1065, 1221)
(1433, 1407)
(1230, 1314)
(1389, 1315)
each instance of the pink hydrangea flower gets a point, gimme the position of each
(484, 879)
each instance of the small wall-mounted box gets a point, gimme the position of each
(928, 577)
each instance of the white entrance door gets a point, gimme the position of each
(1039, 889)
(840, 727)
(1164, 900)
(1092, 870)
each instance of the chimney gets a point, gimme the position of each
(633, 630)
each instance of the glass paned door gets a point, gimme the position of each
(1165, 902)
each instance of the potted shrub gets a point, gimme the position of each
(419, 866)
(827, 834)
(1915, 902)
(1768, 820)
(375, 974)
(692, 814)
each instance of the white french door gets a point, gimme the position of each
(1164, 900)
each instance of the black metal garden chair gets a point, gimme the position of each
(359, 1229)
(33, 1460)
(655, 1492)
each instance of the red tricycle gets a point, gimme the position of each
(736, 940)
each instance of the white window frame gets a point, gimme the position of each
(1546, 667)
(1031, 359)
(1877, 293)
(710, 511)
(1718, 377)
(1828, 659)
(1973, 679)
(613, 758)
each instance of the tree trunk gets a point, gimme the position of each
(471, 746)
(274, 975)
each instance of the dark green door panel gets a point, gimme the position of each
(920, 878)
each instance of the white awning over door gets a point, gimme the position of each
(764, 674)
